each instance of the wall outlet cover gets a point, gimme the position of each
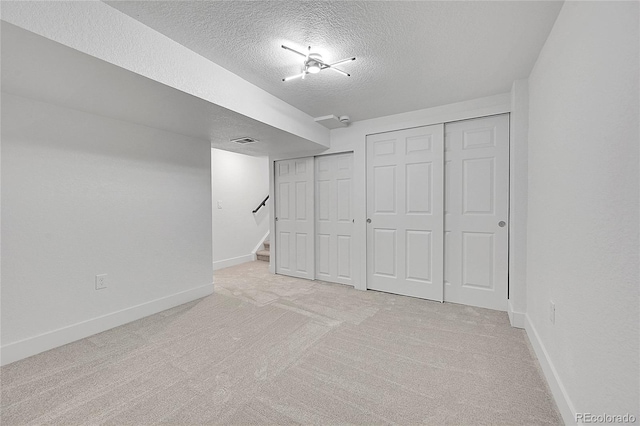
(101, 281)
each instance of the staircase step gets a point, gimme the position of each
(267, 245)
(263, 255)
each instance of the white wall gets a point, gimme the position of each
(583, 216)
(239, 182)
(84, 195)
(99, 30)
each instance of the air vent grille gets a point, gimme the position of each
(243, 141)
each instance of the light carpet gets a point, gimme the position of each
(270, 349)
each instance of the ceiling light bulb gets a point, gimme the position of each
(313, 68)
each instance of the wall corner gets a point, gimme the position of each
(518, 190)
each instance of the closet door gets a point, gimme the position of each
(334, 218)
(476, 212)
(294, 217)
(405, 210)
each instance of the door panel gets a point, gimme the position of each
(478, 185)
(418, 178)
(384, 191)
(345, 257)
(334, 218)
(384, 249)
(294, 218)
(405, 184)
(284, 252)
(419, 255)
(477, 191)
(344, 200)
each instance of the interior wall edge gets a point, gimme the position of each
(518, 195)
(516, 319)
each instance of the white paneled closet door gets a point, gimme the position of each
(476, 212)
(405, 208)
(294, 181)
(334, 218)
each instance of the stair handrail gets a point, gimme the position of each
(264, 202)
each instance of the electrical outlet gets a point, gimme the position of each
(101, 281)
(552, 312)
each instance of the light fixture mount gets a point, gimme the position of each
(313, 64)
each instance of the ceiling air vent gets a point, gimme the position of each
(243, 141)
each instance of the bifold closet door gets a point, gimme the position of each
(334, 218)
(476, 212)
(405, 212)
(294, 217)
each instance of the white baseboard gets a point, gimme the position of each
(34, 345)
(558, 390)
(225, 263)
(515, 318)
(260, 243)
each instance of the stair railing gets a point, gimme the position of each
(264, 202)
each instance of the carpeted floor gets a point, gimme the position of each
(268, 349)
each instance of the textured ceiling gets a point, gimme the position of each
(410, 55)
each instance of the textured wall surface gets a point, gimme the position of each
(410, 55)
(583, 204)
(84, 195)
(239, 183)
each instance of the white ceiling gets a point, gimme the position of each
(410, 55)
(41, 69)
